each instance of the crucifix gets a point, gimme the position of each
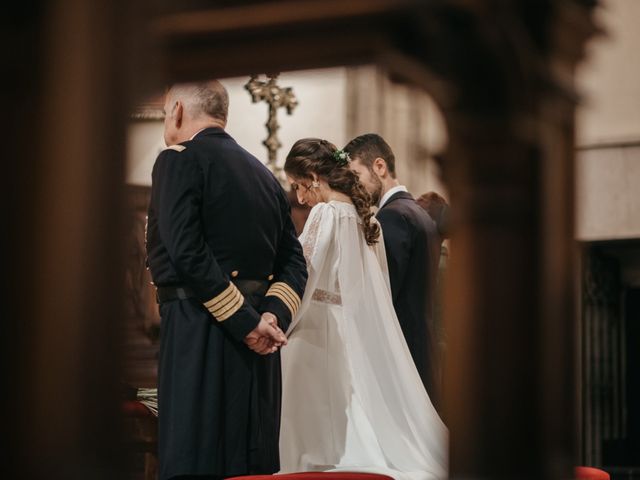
(276, 97)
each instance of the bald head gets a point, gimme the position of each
(190, 107)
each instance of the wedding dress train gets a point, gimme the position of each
(352, 397)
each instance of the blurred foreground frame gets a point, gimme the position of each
(501, 71)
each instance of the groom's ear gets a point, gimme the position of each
(379, 166)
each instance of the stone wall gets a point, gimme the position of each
(608, 128)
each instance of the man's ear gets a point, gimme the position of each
(178, 114)
(379, 166)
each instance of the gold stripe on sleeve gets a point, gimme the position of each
(292, 300)
(290, 292)
(221, 297)
(285, 293)
(225, 304)
(285, 300)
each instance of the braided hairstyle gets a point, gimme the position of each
(313, 155)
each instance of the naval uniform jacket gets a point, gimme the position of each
(412, 247)
(217, 215)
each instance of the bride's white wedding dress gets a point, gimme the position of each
(352, 397)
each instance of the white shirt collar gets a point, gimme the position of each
(391, 192)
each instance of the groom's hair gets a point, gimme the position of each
(370, 146)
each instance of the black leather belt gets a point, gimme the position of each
(166, 294)
(246, 287)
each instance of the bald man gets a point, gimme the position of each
(229, 273)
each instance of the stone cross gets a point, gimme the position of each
(276, 97)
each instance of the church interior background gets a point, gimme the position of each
(61, 351)
(342, 102)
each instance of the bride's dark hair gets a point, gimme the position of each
(313, 155)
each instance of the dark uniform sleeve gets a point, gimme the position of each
(289, 277)
(397, 243)
(178, 185)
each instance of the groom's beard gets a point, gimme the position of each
(376, 193)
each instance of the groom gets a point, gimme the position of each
(229, 272)
(412, 246)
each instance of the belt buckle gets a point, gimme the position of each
(181, 293)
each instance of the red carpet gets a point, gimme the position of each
(581, 473)
(317, 476)
(589, 473)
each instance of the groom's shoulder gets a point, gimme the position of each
(404, 211)
(399, 206)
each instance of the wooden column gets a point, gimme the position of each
(70, 84)
(510, 391)
(492, 308)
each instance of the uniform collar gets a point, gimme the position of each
(390, 193)
(207, 131)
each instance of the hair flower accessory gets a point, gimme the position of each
(341, 157)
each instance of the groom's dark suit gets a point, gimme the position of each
(413, 247)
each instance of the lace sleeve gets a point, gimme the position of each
(316, 236)
(310, 237)
(316, 240)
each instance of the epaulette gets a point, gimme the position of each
(177, 148)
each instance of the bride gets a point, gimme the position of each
(352, 397)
